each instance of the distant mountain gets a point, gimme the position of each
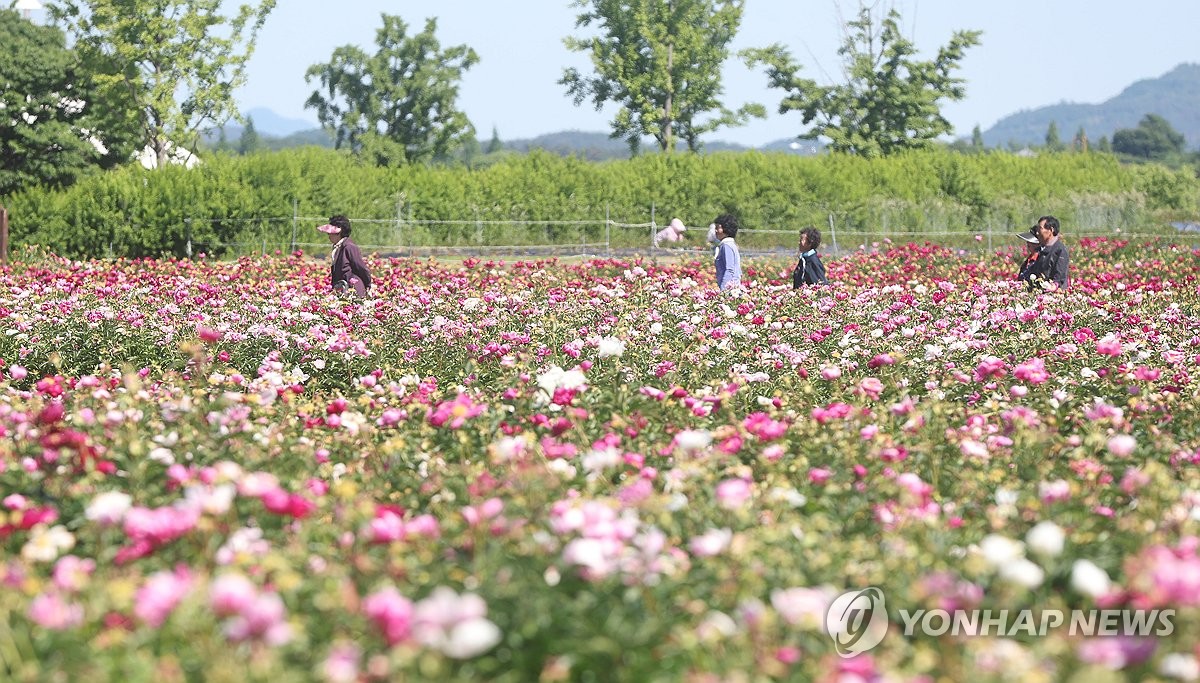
(1175, 96)
(267, 122)
(597, 146)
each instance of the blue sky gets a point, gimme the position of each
(1032, 53)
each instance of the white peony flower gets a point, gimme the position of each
(1023, 573)
(108, 508)
(1090, 580)
(1046, 539)
(999, 550)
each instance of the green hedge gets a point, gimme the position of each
(232, 200)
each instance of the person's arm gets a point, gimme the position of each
(1058, 269)
(357, 265)
(733, 264)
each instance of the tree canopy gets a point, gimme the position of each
(890, 101)
(1154, 138)
(177, 62)
(660, 61)
(398, 104)
(48, 116)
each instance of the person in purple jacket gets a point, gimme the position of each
(348, 270)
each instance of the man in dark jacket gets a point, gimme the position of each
(1051, 270)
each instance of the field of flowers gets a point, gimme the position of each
(547, 471)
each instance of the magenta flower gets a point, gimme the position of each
(454, 414)
(391, 613)
(161, 594)
(733, 494)
(51, 611)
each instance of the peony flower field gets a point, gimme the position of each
(591, 471)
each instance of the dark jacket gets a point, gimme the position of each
(809, 271)
(1028, 266)
(348, 269)
(1052, 264)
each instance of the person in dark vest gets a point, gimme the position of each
(347, 269)
(809, 269)
(1053, 264)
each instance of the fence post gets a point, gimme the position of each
(652, 226)
(833, 233)
(3, 236)
(989, 229)
(187, 223)
(607, 232)
(295, 217)
(399, 223)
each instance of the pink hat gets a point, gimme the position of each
(677, 225)
(329, 228)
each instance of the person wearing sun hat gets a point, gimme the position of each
(347, 269)
(1032, 252)
(671, 233)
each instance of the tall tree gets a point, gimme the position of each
(177, 62)
(1080, 143)
(1154, 138)
(494, 145)
(890, 101)
(249, 141)
(977, 139)
(1053, 141)
(52, 127)
(660, 61)
(398, 104)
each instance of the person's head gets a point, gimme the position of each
(727, 226)
(1046, 229)
(342, 223)
(810, 238)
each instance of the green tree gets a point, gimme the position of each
(891, 100)
(398, 104)
(249, 141)
(977, 139)
(1080, 143)
(39, 142)
(1154, 139)
(494, 145)
(1053, 141)
(177, 62)
(1104, 145)
(660, 62)
(54, 127)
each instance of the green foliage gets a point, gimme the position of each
(396, 105)
(1153, 139)
(661, 63)
(177, 63)
(891, 100)
(1053, 140)
(249, 142)
(234, 200)
(46, 107)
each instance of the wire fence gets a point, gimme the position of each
(607, 236)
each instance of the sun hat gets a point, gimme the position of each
(1029, 235)
(677, 225)
(329, 228)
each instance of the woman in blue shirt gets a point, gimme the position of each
(728, 257)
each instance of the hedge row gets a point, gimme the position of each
(230, 199)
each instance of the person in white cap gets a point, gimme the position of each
(347, 268)
(671, 233)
